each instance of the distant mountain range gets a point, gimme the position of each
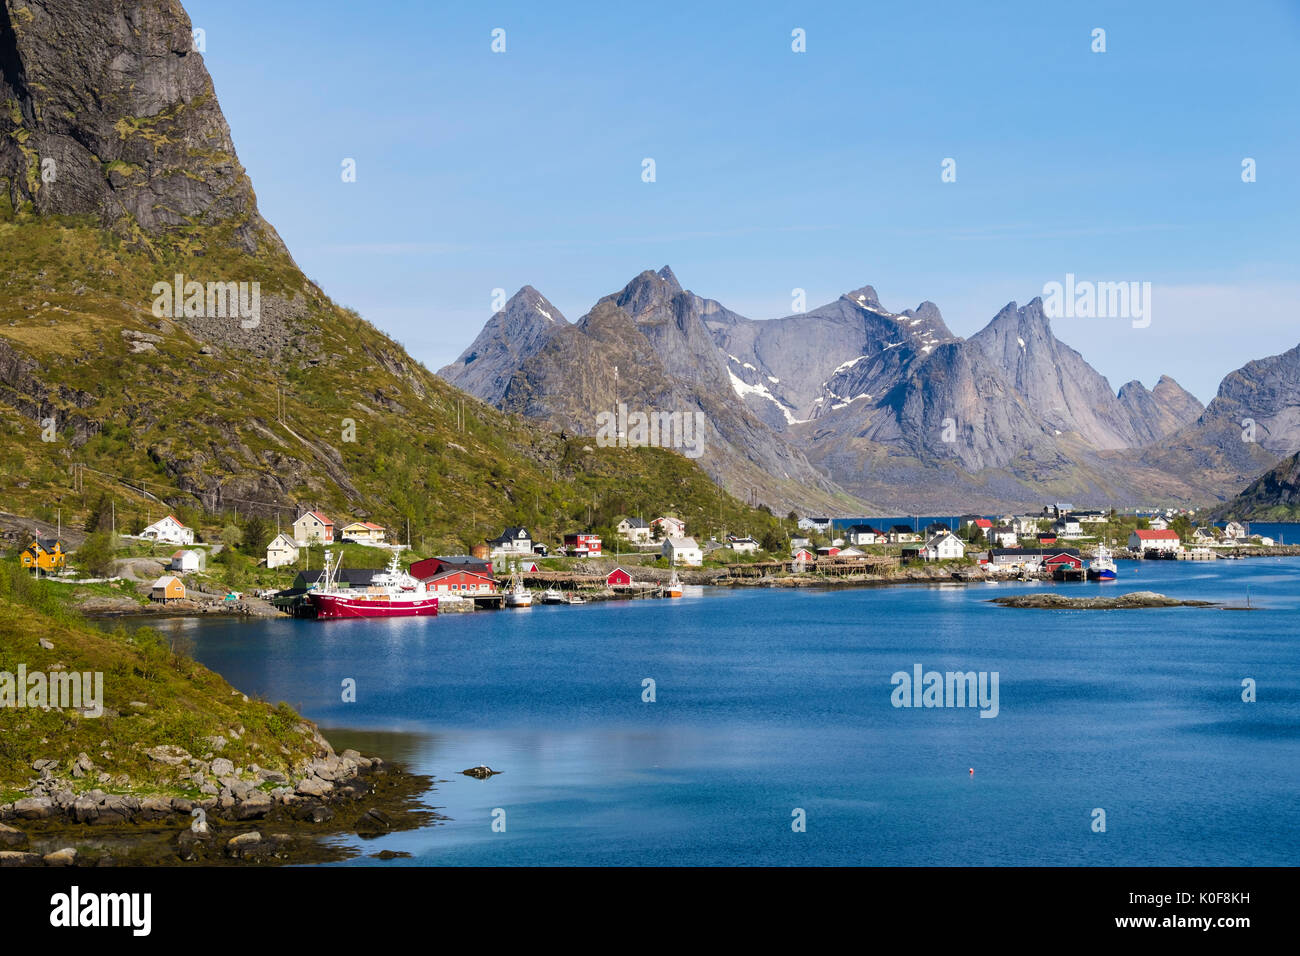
(890, 409)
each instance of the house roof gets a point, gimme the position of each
(45, 544)
(635, 522)
(682, 543)
(178, 521)
(1155, 535)
(511, 534)
(285, 539)
(983, 523)
(939, 537)
(448, 572)
(165, 580)
(317, 515)
(354, 577)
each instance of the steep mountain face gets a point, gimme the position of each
(303, 405)
(1252, 422)
(890, 406)
(1274, 496)
(510, 338)
(1160, 411)
(646, 348)
(110, 112)
(1064, 390)
(796, 368)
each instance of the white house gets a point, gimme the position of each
(282, 550)
(1025, 525)
(1158, 523)
(1234, 530)
(800, 542)
(1003, 536)
(745, 545)
(669, 527)
(313, 528)
(820, 525)
(511, 541)
(944, 546)
(1144, 540)
(184, 561)
(169, 529)
(1068, 526)
(860, 534)
(634, 530)
(682, 551)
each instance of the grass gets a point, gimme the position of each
(173, 429)
(186, 702)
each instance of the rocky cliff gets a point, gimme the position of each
(108, 111)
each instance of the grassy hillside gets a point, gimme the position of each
(206, 419)
(185, 703)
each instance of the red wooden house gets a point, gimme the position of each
(618, 578)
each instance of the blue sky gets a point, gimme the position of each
(778, 170)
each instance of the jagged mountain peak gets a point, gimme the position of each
(647, 293)
(666, 274)
(528, 299)
(865, 297)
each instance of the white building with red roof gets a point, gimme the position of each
(1154, 539)
(313, 528)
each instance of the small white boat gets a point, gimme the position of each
(674, 587)
(577, 599)
(553, 596)
(518, 595)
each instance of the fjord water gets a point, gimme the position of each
(772, 700)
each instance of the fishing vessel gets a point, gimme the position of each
(518, 595)
(674, 586)
(391, 593)
(1102, 567)
(553, 596)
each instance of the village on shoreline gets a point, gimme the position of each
(167, 569)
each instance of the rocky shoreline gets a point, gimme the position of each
(59, 823)
(1134, 599)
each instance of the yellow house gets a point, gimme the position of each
(43, 554)
(364, 532)
(167, 588)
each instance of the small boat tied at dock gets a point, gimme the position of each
(554, 596)
(1102, 567)
(674, 586)
(391, 593)
(518, 595)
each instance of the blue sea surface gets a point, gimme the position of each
(772, 701)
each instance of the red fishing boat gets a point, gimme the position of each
(391, 593)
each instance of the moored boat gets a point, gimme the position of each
(1102, 567)
(518, 595)
(391, 593)
(553, 596)
(674, 587)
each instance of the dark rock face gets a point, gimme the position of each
(892, 407)
(108, 111)
(510, 338)
(1065, 391)
(1160, 411)
(1273, 493)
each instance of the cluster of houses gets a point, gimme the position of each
(313, 527)
(935, 542)
(665, 534)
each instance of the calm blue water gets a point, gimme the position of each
(771, 700)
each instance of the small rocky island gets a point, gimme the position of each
(1134, 599)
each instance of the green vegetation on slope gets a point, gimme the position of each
(314, 408)
(185, 702)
